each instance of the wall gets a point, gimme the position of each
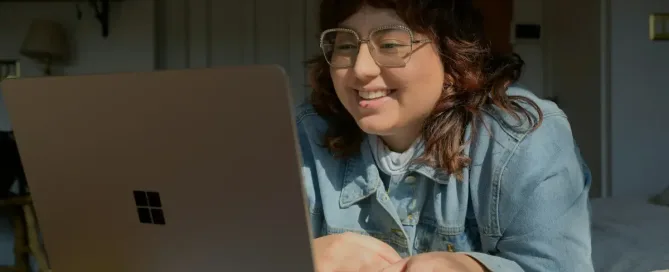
(639, 100)
(573, 45)
(208, 33)
(173, 34)
(531, 51)
(611, 81)
(567, 64)
(129, 47)
(131, 35)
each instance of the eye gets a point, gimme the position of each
(345, 47)
(390, 45)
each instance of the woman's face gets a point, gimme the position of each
(408, 94)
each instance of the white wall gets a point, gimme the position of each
(566, 64)
(573, 63)
(531, 51)
(129, 47)
(639, 100)
(611, 81)
(208, 33)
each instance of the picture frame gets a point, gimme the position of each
(10, 69)
(659, 27)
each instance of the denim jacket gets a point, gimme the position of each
(522, 205)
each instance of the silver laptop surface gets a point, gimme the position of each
(189, 170)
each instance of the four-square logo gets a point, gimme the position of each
(149, 207)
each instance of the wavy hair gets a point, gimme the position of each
(475, 78)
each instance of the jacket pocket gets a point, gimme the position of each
(395, 240)
(431, 238)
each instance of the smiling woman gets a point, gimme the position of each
(416, 135)
(434, 67)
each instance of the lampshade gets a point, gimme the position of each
(46, 40)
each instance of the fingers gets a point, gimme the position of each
(399, 266)
(374, 265)
(384, 250)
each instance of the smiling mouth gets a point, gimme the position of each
(372, 95)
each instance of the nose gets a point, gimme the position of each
(365, 67)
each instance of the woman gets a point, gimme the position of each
(420, 155)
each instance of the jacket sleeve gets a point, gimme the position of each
(309, 178)
(543, 207)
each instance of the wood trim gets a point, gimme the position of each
(497, 18)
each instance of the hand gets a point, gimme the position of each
(352, 252)
(436, 261)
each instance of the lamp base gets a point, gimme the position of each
(47, 66)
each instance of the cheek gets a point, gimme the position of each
(338, 79)
(427, 66)
(425, 80)
(337, 75)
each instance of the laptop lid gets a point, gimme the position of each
(182, 170)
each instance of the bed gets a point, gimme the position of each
(629, 235)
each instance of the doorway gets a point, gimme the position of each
(499, 20)
(566, 63)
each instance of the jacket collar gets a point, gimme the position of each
(362, 178)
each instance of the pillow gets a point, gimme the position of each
(662, 198)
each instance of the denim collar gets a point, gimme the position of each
(362, 178)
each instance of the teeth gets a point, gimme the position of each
(373, 94)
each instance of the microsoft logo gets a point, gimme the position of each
(149, 207)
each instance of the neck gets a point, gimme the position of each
(400, 142)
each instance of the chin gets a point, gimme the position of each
(376, 125)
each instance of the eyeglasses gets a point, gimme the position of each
(390, 46)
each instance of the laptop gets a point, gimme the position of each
(182, 170)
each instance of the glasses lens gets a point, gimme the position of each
(340, 48)
(392, 47)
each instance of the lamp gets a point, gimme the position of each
(46, 42)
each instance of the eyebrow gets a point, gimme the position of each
(346, 26)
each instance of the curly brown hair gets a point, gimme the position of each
(475, 78)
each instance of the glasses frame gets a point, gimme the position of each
(370, 46)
